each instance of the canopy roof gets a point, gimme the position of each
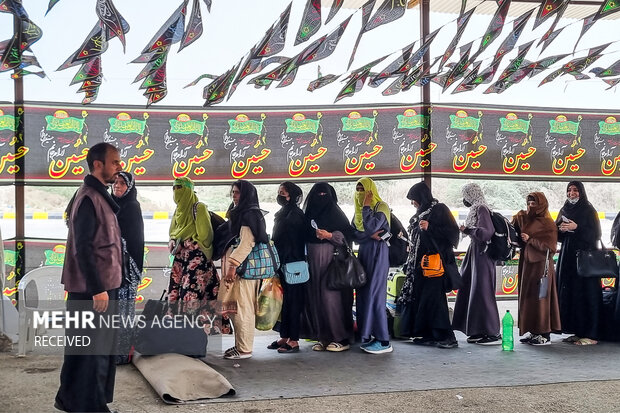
(577, 9)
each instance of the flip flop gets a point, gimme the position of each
(286, 348)
(570, 339)
(585, 342)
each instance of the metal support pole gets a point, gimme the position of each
(20, 213)
(425, 106)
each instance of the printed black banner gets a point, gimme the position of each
(336, 142)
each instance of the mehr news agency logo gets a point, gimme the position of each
(85, 320)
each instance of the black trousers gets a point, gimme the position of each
(88, 374)
(292, 306)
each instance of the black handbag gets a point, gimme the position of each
(345, 271)
(159, 334)
(597, 263)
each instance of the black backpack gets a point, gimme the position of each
(503, 244)
(398, 242)
(216, 222)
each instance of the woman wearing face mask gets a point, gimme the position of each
(132, 231)
(475, 310)
(194, 282)
(290, 230)
(372, 218)
(580, 298)
(538, 316)
(328, 316)
(239, 295)
(423, 299)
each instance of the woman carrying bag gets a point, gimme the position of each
(193, 277)
(581, 298)
(432, 230)
(538, 298)
(194, 282)
(239, 295)
(328, 315)
(290, 230)
(475, 309)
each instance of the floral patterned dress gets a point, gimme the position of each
(194, 285)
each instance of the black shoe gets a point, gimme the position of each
(447, 344)
(490, 340)
(422, 341)
(527, 338)
(59, 406)
(275, 345)
(475, 338)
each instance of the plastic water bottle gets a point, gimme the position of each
(508, 343)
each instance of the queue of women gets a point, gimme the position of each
(313, 234)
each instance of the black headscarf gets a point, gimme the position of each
(582, 212)
(247, 212)
(130, 219)
(294, 192)
(290, 227)
(324, 210)
(421, 193)
(441, 235)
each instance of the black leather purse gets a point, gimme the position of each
(156, 335)
(597, 263)
(345, 271)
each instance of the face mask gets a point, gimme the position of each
(467, 204)
(281, 200)
(359, 197)
(573, 201)
(176, 195)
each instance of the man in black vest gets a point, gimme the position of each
(91, 276)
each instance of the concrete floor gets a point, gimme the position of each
(559, 377)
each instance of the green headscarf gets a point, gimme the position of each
(183, 225)
(368, 185)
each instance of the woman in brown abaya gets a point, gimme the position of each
(538, 316)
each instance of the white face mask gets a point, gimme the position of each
(572, 201)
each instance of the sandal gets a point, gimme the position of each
(571, 339)
(318, 347)
(286, 348)
(337, 347)
(585, 342)
(236, 355)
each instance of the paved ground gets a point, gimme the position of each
(29, 385)
(472, 378)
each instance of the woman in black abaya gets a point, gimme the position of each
(328, 316)
(424, 304)
(580, 298)
(130, 221)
